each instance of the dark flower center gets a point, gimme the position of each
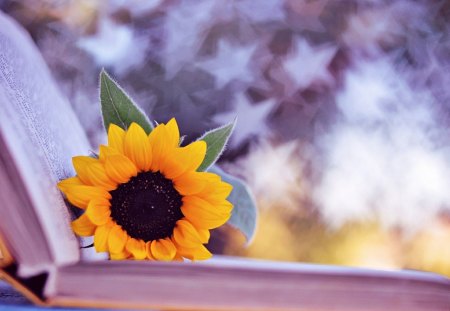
(147, 206)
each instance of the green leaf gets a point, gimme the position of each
(118, 108)
(216, 141)
(244, 212)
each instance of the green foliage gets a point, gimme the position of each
(216, 141)
(117, 106)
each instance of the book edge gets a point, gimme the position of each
(86, 303)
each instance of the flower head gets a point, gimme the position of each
(143, 197)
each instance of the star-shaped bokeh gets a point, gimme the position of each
(114, 45)
(305, 66)
(186, 27)
(230, 63)
(251, 118)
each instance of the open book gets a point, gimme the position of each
(40, 256)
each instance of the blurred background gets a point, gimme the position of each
(343, 110)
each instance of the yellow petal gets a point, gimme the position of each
(80, 195)
(120, 256)
(137, 248)
(98, 177)
(191, 182)
(214, 187)
(68, 182)
(159, 142)
(163, 249)
(148, 246)
(216, 192)
(98, 211)
(80, 164)
(137, 148)
(198, 253)
(223, 189)
(185, 234)
(119, 168)
(202, 214)
(184, 159)
(213, 177)
(224, 207)
(106, 151)
(101, 237)
(116, 136)
(204, 235)
(173, 134)
(194, 155)
(83, 226)
(117, 239)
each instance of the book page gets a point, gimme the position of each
(235, 284)
(41, 133)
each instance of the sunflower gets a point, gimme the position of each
(143, 197)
